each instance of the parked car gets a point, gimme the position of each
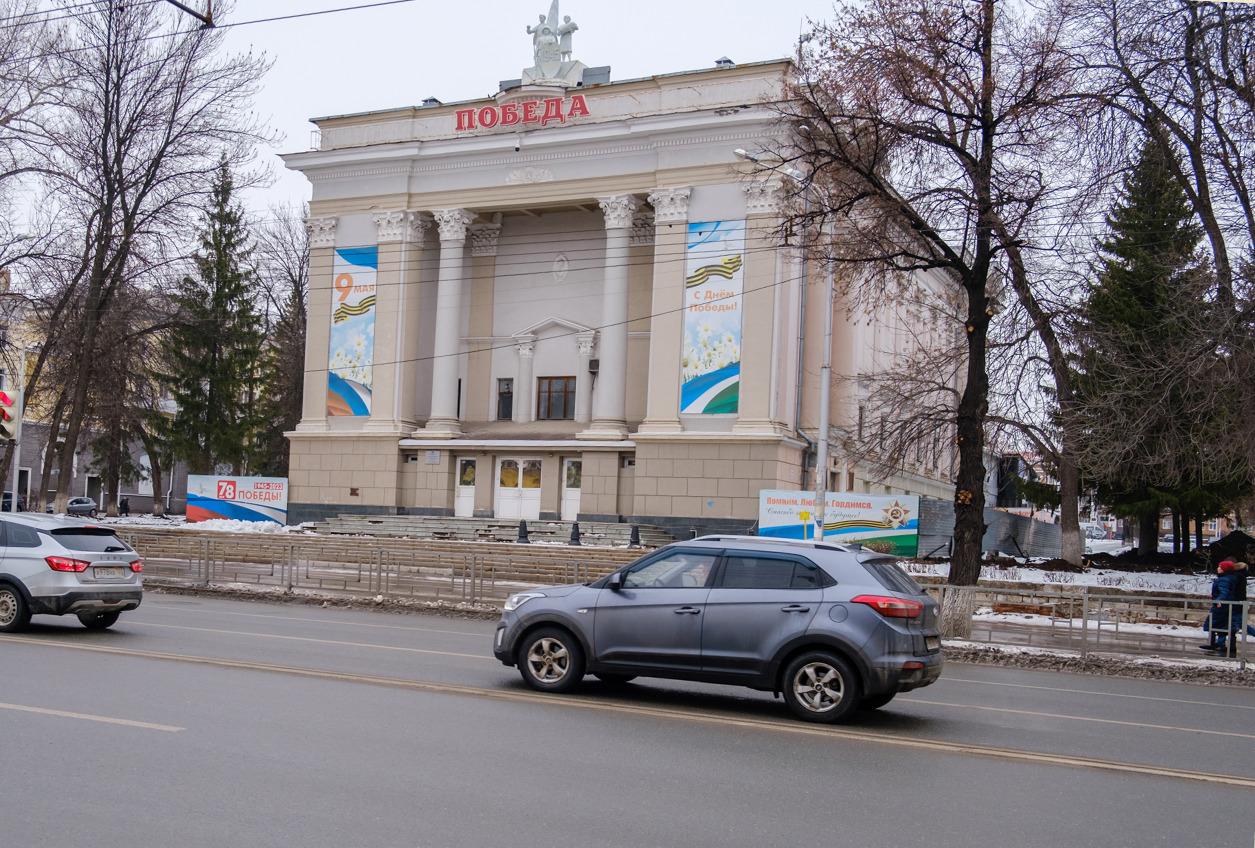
(81, 506)
(6, 502)
(830, 628)
(52, 565)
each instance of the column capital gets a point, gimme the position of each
(452, 223)
(642, 227)
(762, 198)
(401, 225)
(584, 342)
(671, 205)
(484, 239)
(525, 347)
(322, 231)
(618, 210)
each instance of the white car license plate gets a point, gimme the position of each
(108, 573)
(932, 643)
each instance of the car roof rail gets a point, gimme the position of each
(771, 540)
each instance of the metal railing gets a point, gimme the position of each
(1101, 622)
(365, 568)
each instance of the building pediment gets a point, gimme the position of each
(544, 324)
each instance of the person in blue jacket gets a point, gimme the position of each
(1225, 619)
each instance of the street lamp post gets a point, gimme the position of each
(825, 370)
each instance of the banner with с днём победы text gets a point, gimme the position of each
(210, 497)
(350, 359)
(885, 523)
(710, 363)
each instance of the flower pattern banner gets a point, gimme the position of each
(352, 354)
(710, 364)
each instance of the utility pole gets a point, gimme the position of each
(825, 404)
(206, 18)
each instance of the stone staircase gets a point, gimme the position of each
(488, 529)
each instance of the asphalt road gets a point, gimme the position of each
(205, 722)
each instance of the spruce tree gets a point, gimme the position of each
(211, 354)
(283, 382)
(1144, 419)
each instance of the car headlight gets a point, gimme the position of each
(515, 601)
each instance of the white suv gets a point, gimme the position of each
(53, 565)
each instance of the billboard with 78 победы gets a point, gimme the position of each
(210, 496)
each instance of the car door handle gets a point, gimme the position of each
(795, 608)
(686, 610)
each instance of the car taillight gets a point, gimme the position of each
(137, 565)
(59, 563)
(891, 607)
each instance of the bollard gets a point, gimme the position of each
(575, 534)
(634, 540)
(522, 539)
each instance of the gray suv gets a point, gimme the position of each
(830, 628)
(54, 565)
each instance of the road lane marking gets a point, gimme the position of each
(173, 610)
(1221, 704)
(315, 640)
(123, 722)
(727, 720)
(1037, 714)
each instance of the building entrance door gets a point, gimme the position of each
(464, 499)
(518, 489)
(572, 471)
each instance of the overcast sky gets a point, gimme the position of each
(380, 58)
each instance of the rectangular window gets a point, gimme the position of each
(505, 398)
(745, 572)
(862, 414)
(555, 398)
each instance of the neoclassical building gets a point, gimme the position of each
(568, 300)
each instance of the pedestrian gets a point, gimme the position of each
(124, 506)
(1228, 590)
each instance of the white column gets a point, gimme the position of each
(666, 327)
(443, 421)
(610, 396)
(399, 235)
(322, 242)
(584, 380)
(524, 401)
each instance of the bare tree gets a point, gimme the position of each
(282, 255)
(156, 110)
(31, 84)
(923, 125)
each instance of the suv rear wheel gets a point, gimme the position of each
(14, 615)
(819, 686)
(551, 660)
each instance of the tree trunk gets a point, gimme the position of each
(1073, 547)
(5, 462)
(1148, 533)
(154, 467)
(1176, 531)
(1198, 532)
(51, 450)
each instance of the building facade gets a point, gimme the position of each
(569, 301)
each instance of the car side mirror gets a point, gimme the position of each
(615, 583)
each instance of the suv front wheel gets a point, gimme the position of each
(821, 687)
(14, 615)
(551, 660)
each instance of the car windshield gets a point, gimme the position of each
(91, 539)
